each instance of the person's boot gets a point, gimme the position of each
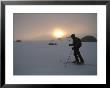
(82, 62)
(76, 61)
(81, 59)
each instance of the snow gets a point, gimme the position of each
(39, 58)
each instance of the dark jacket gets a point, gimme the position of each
(76, 43)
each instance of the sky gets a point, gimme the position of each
(42, 26)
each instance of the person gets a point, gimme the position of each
(76, 45)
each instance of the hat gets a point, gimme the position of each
(73, 35)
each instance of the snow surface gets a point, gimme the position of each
(39, 58)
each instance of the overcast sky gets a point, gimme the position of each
(38, 26)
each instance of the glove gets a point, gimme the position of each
(72, 48)
(71, 45)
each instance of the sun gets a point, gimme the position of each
(58, 33)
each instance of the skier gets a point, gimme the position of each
(76, 45)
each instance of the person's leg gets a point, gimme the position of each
(76, 57)
(80, 57)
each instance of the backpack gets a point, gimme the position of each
(78, 42)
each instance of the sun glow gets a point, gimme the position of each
(58, 33)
